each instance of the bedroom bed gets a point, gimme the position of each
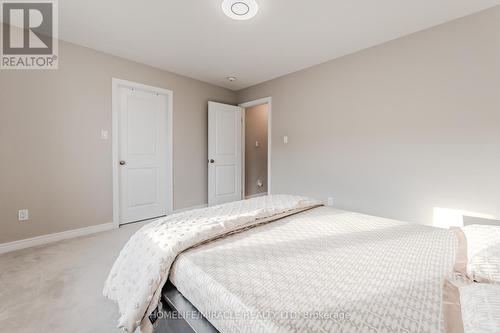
(311, 269)
(322, 270)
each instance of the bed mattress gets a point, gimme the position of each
(323, 270)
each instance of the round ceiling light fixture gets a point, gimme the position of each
(240, 9)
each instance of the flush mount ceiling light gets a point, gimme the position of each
(240, 9)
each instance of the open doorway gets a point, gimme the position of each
(256, 148)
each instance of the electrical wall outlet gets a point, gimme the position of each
(330, 201)
(23, 215)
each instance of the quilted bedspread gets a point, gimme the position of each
(142, 267)
(323, 270)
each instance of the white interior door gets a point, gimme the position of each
(224, 153)
(144, 154)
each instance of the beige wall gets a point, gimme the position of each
(256, 157)
(397, 129)
(53, 161)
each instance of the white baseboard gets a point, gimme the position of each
(255, 195)
(50, 238)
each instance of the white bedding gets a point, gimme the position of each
(142, 267)
(479, 252)
(384, 275)
(481, 308)
(471, 307)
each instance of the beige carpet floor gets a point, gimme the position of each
(58, 287)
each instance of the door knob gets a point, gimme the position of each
(212, 160)
(122, 162)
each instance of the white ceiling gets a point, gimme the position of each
(194, 38)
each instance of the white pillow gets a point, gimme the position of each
(478, 253)
(473, 308)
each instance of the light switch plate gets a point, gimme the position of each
(285, 139)
(330, 201)
(104, 134)
(23, 215)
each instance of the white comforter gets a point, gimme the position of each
(324, 270)
(142, 268)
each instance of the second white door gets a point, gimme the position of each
(144, 153)
(224, 153)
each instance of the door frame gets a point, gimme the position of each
(260, 101)
(115, 103)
